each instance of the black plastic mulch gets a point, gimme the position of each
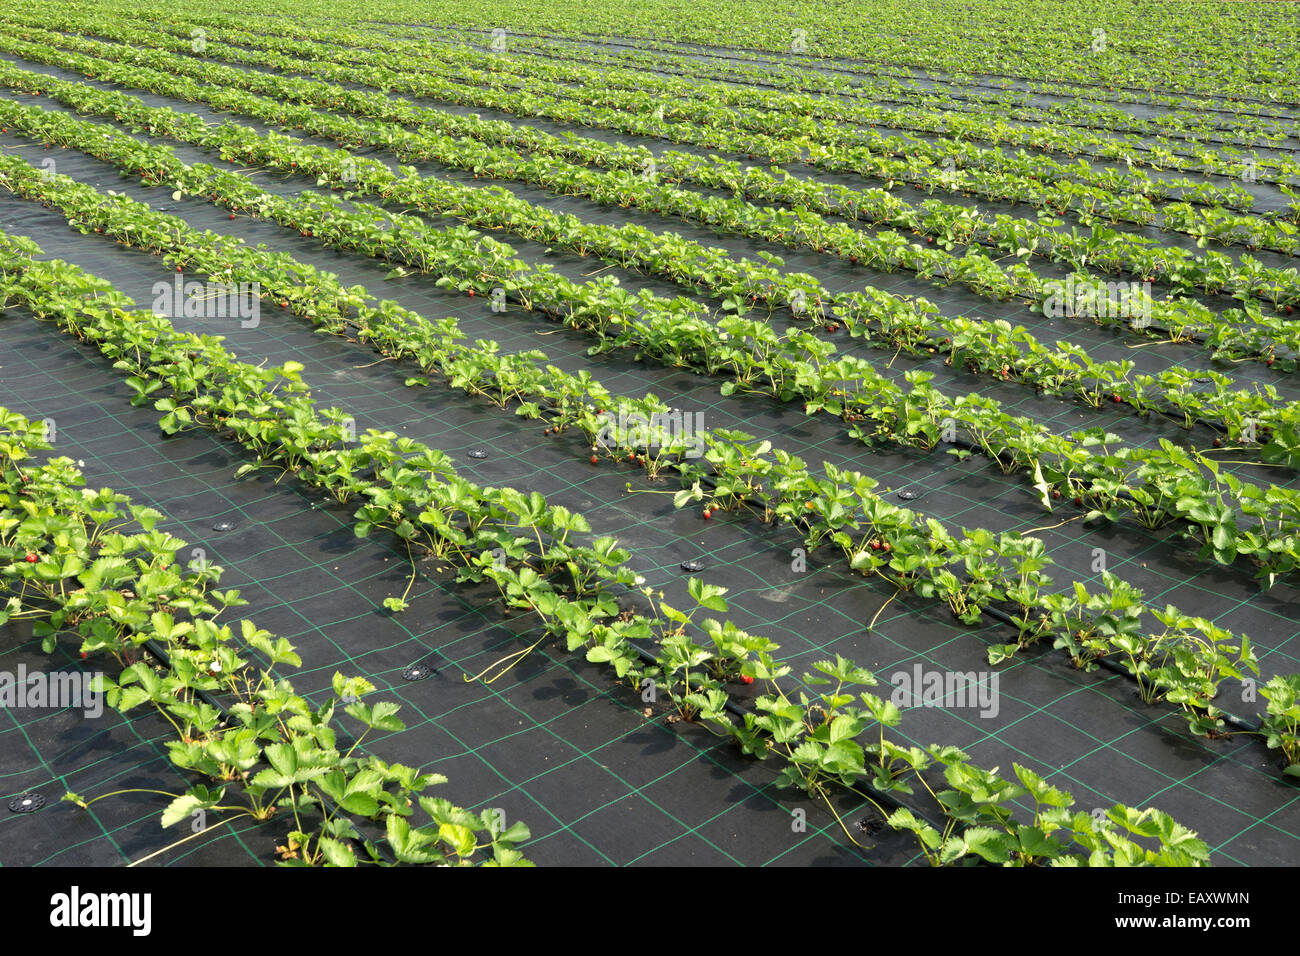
(836, 275)
(740, 556)
(840, 276)
(1087, 732)
(1268, 197)
(554, 744)
(971, 494)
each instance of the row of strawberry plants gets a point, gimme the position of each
(781, 75)
(733, 65)
(824, 512)
(933, 166)
(1258, 129)
(1105, 249)
(963, 118)
(1112, 251)
(892, 86)
(1153, 484)
(517, 378)
(1040, 167)
(911, 325)
(745, 283)
(991, 43)
(913, 116)
(414, 492)
(92, 564)
(1035, 174)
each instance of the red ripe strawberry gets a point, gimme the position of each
(1116, 399)
(707, 514)
(31, 558)
(594, 459)
(84, 655)
(471, 293)
(746, 679)
(178, 269)
(1270, 361)
(232, 215)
